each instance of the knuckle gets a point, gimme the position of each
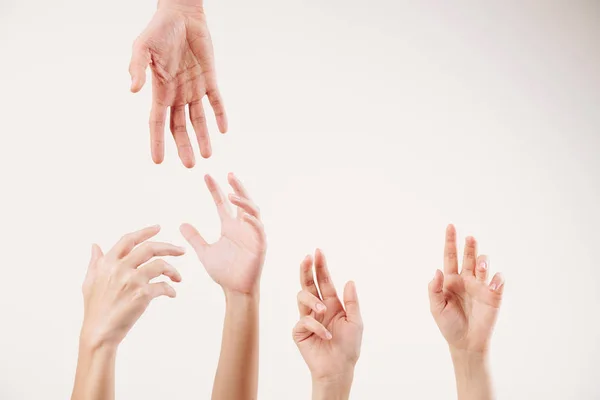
(198, 120)
(142, 293)
(309, 282)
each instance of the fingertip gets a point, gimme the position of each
(157, 159)
(328, 335)
(320, 308)
(205, 153)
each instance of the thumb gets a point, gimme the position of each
(351, 303)
(437, 300)
(140, 59)
(96, 254)
(193, 237)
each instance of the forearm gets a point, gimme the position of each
(95, 376)
(333, 389)
(237, 372)
(473, 379)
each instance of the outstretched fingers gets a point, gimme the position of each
(218, 197)
(470, 257)
(198, 120)
(326, 285)
(216, 102)
(180, 134)
(450, 252)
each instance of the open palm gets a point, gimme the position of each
(463, 305)
(328, 335)
(235, 260)
(178, 47)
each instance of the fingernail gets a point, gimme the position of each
(493, 287)
(328, 335)
(181, 248)
(319, 307)
(483, 265)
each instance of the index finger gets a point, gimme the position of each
(450, 258)
(130, 240)
(307, 278)
(237, 186)
(217, 195)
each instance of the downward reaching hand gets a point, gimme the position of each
(178, 48)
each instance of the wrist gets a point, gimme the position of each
(186, 6)
(462, 357)
(95, 343)
(235, 297)
(333, 387)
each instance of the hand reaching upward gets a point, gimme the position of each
(235, 260)
(463, 305)
(329, 333)
(178, 47)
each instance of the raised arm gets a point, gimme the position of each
(465, 308)
(116, 292)
(235, 262)
(177, 46)
(329, 333)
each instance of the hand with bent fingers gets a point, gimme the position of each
(116, 291)
(117, 288)
(463, 305)
(178, 47)
(329, 333)
(235, 260)
(465, 308)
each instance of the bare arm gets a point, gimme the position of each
(116, 292)
(473, 379)
(239, 350)
(235, 262)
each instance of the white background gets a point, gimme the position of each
(360, 127)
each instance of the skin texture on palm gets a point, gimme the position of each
(329, 333)
(465, 307)
(117, 290)
(178, 48)
(235, 262)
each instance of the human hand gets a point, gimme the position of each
(235, 260)
(117, 288)
(178, 47)
(463, 305)
(329, 334)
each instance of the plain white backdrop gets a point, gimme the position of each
(361, 128)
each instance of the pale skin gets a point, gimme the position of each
(235, 262)
(329, 332)
(177, 46)
(116, 291)
(465, 307)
